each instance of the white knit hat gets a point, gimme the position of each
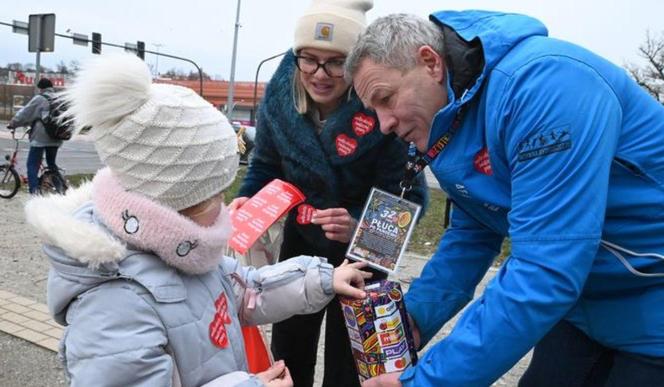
(161, 141)
(331, 24)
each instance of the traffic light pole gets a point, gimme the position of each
(258, 69)
(200, 72)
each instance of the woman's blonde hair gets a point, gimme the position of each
(301, 98)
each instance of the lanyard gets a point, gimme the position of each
(417, 161)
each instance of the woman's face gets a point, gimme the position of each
(324, 87)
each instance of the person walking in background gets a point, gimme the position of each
(33, 114)
(138, 275)
(544, 142)
(313, 132)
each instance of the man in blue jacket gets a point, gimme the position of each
(546, 143)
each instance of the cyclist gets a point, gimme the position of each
(32, 115)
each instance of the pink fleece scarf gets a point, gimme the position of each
(150, 226)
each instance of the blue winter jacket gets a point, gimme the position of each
(574, 176)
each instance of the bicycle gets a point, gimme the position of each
(50, 181)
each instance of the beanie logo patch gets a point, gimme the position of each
(324, 31)
(363, 124)
(345, 145)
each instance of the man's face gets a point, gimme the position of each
(405, 102)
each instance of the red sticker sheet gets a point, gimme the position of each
(261, 211)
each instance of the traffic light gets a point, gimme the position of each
(140, 49)
(96, 43)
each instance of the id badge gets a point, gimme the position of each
(383, 230)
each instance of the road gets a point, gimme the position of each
(76, 156)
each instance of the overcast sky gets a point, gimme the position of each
(202, 30)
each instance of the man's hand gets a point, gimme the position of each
(336, 222)
(416, 332)
(384, 380)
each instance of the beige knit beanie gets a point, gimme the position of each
(331, 24)
(162, 141)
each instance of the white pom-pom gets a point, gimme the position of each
(106, 89)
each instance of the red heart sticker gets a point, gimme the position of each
(217, 328)
(345, 145)
(304, 213)
(222, 308)
(482, 163)
(218, 334)
(363, 124)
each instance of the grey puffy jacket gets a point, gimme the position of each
(32, 115)
(138, 322)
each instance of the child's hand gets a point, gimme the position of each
(347, 275)
(237, 203)
(276, 376)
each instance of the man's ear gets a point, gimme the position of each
(432, 62)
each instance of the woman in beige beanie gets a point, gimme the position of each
(314, 132)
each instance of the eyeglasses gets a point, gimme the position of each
(333, 68)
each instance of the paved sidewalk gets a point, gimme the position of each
(29, 320)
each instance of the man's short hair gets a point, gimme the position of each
(44, 83)
(393, 40)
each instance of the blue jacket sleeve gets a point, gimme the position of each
(558, 204)
(265, 164)
(447, 282)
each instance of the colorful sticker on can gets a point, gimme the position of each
(386, 342)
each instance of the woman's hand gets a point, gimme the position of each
(336, 222)
(348, 279)
(237, 203)
(276, 376)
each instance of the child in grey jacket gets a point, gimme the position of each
(137, 271)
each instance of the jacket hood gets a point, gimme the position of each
(82, 253)
(66, 223)
(475, 42)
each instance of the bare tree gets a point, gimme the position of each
(74, 66)
(62, 68)
(651, 76)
